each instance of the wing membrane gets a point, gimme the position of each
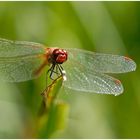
(92, 82)
(19, 69)
(19, 60)
(98, 62)
(10, 48)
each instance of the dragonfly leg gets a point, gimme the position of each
(60, 69)
(47, 74)
(51, 71)
(55, 68)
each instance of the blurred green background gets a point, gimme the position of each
(106, 27)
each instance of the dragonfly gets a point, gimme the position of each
(82, 71)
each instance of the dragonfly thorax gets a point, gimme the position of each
(59, 56)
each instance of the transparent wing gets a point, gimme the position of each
(92, 82)
(84, 71)
(19, 60)
(10, 48)
(98, 62)
(19, 69)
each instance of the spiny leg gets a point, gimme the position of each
(60, 69)
(52, 70)
(48, 73)
(57, 72)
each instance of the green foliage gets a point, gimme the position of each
(54, 112)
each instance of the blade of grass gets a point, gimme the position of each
(53, 113)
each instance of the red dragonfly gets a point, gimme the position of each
(83, 70)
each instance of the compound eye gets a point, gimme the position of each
(60, 56)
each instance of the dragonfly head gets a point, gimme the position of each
(59, 56)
